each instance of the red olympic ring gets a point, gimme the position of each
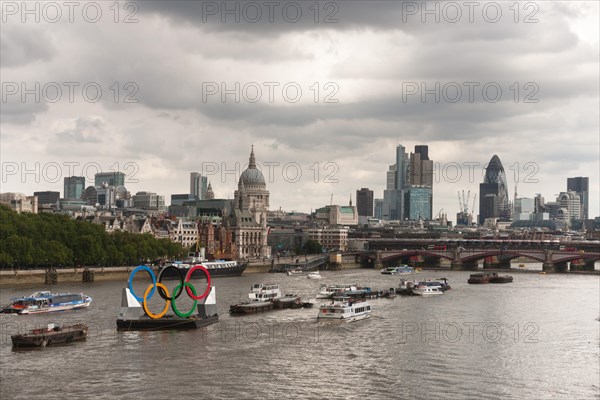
(189, 276)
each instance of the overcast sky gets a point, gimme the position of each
(323, 89)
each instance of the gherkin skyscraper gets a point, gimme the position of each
(493, 192)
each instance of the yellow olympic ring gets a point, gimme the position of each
(167, 303)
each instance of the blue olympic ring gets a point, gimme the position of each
(132, 274)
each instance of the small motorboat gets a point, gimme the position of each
(314, 275)
(51, 335)
(294, 272)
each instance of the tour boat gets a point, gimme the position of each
(50, 335)
(43, 302)
(425, 290)
(399, 270)
(344, 309)
(314, 275)
(326, 291)
(264, 292)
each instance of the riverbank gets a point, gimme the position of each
(38, 276)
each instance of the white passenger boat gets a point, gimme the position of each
(344, 309)
(314, 275)
(43, 302)
(426, 290)
(327, 291)
(264, 292)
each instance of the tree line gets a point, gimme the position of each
(52, 240)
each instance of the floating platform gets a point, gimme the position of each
(133, 318)
(167, 322)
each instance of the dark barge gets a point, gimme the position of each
(50, 335)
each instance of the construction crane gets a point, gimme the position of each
(464, 203)
(473, 207)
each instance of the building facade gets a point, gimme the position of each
(364, 202)
(198, 186)
(580, 185)
(148, 201)
(330, 238)
(414, 172)
(248, 218)
(109, 178)
(335, 215)
(493, 193)
(73, 187)
(47, 197)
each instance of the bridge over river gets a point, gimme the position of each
(468, 259)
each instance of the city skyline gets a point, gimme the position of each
(176, 125)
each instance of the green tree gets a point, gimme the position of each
(312, 247)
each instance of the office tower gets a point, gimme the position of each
(364, 202)
(198, 185)
(580, 185)
(73, 187)
(417, 203)
(110, 179)
(378, 205)
(493, 193)
(47, 197)
(412, 172)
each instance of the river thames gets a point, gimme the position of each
(535, 338)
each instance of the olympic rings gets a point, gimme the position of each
(167, 303)
(161, 292)
(175, 310)
(132, 274)
(164, 292)
(189, 276)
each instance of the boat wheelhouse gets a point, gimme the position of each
(479, 278)
(344, 309)
(44, 301)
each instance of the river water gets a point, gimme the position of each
(535, 338)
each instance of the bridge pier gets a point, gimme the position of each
(378, 264)
(548, 265)
(464, 265)
(589, 265)
(433, 262)
(491, 265)
(561, 267)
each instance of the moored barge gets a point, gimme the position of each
(50, 335)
